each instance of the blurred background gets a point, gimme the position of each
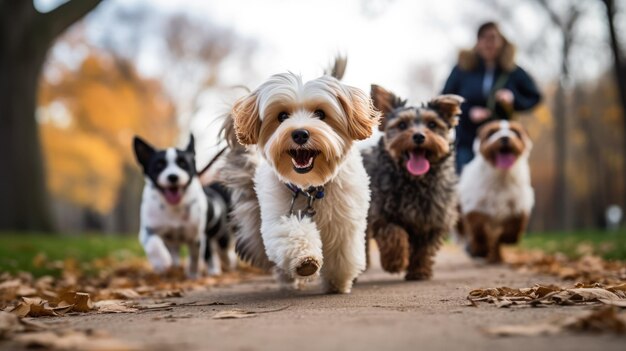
(79, 78)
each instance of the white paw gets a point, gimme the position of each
(158, 255)
(214, 271)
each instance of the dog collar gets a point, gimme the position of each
(312, 193)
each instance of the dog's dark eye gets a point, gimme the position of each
(319, 114)
(181, 162)
(159, 165)
(431, 125)
(282, 116)
(402, 125)
(517, 133)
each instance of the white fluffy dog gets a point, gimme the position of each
(495, 193)
(307, 213)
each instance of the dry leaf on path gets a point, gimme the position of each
(524, 330)
(550, 295)
(605, 319)
(238, 313)
(114, 306)
(73, 340)
(80, 301)
(36, 307)
(234, 314)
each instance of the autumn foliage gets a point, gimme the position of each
(88, 116)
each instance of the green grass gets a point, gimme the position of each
(18, 251)
(609, 245)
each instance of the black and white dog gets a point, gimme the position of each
(176, 209)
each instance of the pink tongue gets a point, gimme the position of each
(172, 196)
(417, 164)
(505, 160)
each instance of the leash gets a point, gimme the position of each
(208, 166)
(312, 193)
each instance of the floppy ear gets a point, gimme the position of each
(143, 151)
(519, 128)
(362, 116)
(447, 106)
(385, 102)
(191, 146)
(246, 119)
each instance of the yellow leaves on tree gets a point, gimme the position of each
(82, 167)
(88, 118)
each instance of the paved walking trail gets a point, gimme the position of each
(382, 313)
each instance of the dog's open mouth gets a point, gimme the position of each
(505, 158)
(418, 163)
(303, 159)
(173, 195)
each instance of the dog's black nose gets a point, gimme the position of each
(419, 138)
(505, 140)
(300, 136)
(172, 178)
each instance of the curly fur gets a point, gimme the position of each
(409, 215)
(424, 209)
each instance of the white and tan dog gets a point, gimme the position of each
(308, 211)
(495, 193)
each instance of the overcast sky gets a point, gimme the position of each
(385, 40)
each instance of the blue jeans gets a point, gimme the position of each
(464, 155)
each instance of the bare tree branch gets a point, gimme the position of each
(554, 17)
(61, 18)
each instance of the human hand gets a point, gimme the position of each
(505, 97)
(479, 114)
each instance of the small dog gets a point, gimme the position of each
(414, 202)
(301, 206)
(176, 210)
(495, 192)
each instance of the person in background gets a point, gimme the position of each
(493, 86)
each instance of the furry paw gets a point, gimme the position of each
(158, 255)
(334, 288)
(393, 244)
(214, 271)
(307, 267)
(418, 276)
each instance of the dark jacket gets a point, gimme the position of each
(466, 80)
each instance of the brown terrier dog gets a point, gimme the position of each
(494, 191)
(412, 181)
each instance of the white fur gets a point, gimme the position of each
(185, 223)
(172, 169)
(495, 192)
(334, 236)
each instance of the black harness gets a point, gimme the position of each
(311, 194)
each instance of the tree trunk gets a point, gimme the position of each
(619, 65)
(25, 37)
(23, 200)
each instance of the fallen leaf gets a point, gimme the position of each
(73, 340)
(9, 324)
(602, 320)
(113, 306)
(79, 301)
(238, 313)
(524, 330)
(125, 294)
(233, 314)
(548, 295)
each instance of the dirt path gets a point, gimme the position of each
(382, 313)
